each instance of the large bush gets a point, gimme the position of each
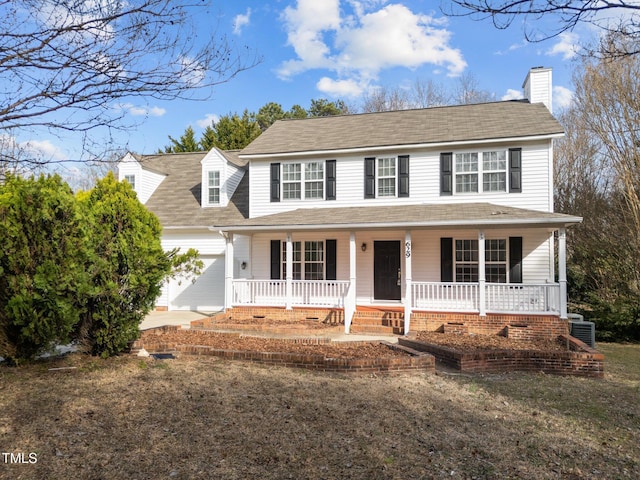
(43, 282)
(126, 266)
(86, 268)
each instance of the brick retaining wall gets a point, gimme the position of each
(414, 360)
(580, 359)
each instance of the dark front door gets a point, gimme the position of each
(386, 270)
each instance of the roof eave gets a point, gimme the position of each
(506, 222)
(387, 148)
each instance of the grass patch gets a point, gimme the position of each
(200, 418)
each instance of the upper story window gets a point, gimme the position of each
(131, 179)
(386, 177)
(481, 172)
(302, 181)
(487, 175)
(213, 187)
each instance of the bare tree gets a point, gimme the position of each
(619, 17)
(69, 66)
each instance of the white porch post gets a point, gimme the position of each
(482, 294)
(228, 271)
(562, 271)
(350, 301)
(289, 273)
(408, 297)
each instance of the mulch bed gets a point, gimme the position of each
(224, 341)
(476, 343)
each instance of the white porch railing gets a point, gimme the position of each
(272, 293)
(499, 297)
(462, 297)
(518, 298)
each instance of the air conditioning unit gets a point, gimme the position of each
(585, 331)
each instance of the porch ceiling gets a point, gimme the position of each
(463, 215)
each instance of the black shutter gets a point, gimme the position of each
(515, 259)
(276, 263)
(370, 177)
(446, 174)
(446, 259)
(515, 170)
(330, 168)
(403, 176)
(275, 182)
(331, 252)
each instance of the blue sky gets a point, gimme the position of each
(342, 49)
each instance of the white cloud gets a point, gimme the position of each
(44, 149)
(191, 71)
(567, 46)
(138, 111)
(512, 94)
(341, 88)
(562, 97)
(207, 120)
(359, 46)
(240, 21)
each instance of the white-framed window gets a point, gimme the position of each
(466, 264)
(213, 187)
(303, 181)
(308, 260)
(387, 177)
(477, 172)
(131, 179)
(291, 181)
(494, 171)
(314, 180)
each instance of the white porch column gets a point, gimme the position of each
(482, 280)
(228, 271)
(408, 297)
(350, 301)
(289, 273)
(562, 271)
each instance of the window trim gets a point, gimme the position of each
(299, 258)
(303, 181)
(479, 172)
(128, 178)
(211, 187)
(487, 263)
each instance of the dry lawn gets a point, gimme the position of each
(202, 418)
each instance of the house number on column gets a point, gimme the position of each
(407, 249)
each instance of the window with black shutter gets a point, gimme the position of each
(275, 182)
(370, 177)
(446, 259)
(515, 170)
(403, 176)
(515, 259)
(275, 259)
(446, 174)
(330, 179)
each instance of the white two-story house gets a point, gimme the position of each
(444, 214)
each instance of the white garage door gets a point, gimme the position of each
(206, 294)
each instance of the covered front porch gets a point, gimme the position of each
(479, 259)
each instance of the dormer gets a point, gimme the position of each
(537, 87)
(143, 180)
(221, 174)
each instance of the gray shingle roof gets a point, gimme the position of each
(176, 201)
(402, 216)
(497, 120)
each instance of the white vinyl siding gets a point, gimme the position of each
(425, 183)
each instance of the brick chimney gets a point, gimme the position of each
(538, 88)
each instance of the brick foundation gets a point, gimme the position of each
(521, 326)
(326, 315)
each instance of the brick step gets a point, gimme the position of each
(381, 322)
(377, 329)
